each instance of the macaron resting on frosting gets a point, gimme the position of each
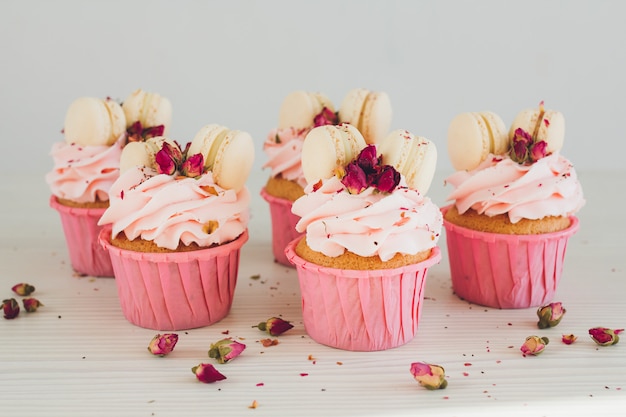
(328, 147)
(415, 157)
(92, 121)
(229, 154)
(369, 111)
(546, 125)
(299, 109)
(474, 135)
(150, 109)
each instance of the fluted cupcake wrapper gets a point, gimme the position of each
(358, 310)
(80, 226)
(283, 226)
(506, 271)
(175, 291)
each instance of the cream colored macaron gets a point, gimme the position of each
(472, 136)
(229, 154)
(299, 109)
(325, 148)
(92, 121)
(546, 125)
(150, 109)
(369, 111)
(142, 153)
(415, 157)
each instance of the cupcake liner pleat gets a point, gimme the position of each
(283, 226)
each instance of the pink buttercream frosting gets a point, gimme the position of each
(369, 223)
(84, 174)
(171, 209)
(548, 187)
(283, 148)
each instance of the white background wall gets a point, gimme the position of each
(233, 62)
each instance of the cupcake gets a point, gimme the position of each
(175, 226)
(512, 210)
(87, 163)
(369, 239)
(301, 111)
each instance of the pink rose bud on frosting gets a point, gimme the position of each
(538, 150)
(193, 166)
(205, 372)
(226, 350)
(429, 376)
(325, 117)
(11, 308)
(31, 304)
(355, 179)
(550, 315)
(23, 289)
(568, 339)
(153, 132)
(163, 344)
(368, 160)
(534, 345)
(168, 159)
(388, 179)
(274, 326)
(604, 336)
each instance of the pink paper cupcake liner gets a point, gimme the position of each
(361, 310)
(175, 291)
(283, 226)
(506, 271)
(80, 226)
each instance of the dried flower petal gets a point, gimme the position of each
(11, 308)
(354, 179)
(550, 315)
(226, 350)
(429, 376)
(605, 336)
(193, 166)
(205, 372)
(534, 345)
(274, 326)
(31, 304)
(568, 339)
(162, 345)
(23, 289)
(325, 117)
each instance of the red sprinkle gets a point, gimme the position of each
(304, 374)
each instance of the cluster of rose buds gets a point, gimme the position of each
(11, 307)
(170, 159)
(525, 149)
(137, 133)
(367, 170)
(325, 117)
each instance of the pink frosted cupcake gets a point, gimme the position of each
(369, 241)
(175, 226)
(87, 163)
(513, 208)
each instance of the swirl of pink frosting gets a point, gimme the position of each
(171, 209)
(283, 148)
(84, 173)
(548, 187)
(367, 224)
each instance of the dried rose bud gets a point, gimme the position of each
(205, 372)
(193, 166)
(168, 159)
(31, 304)
(568, 339)
(274, 326)
(550, 315)
(538, 150)
(429, 376)
(134, 132)
(388, 179)
(534, 345)
(226, 350)
(163, 344)
(11, 308)
(354, 179)
(367, 159)
(604, 336)
(325, 117)
(152, 132)
(23, 289)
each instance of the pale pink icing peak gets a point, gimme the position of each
(283, 148)
(367, 224)
(84, 173)
(171, 209)
(548, 187)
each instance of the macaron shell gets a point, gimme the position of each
(207, 142)
(376, 117)
(526, 119)
(499, 138)
(93, 122)
(552, 132)
(234, 160)
(299, 109)
(424, 164)
(468, 141)
(150, 109)
(135, 154)
(352, 106)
